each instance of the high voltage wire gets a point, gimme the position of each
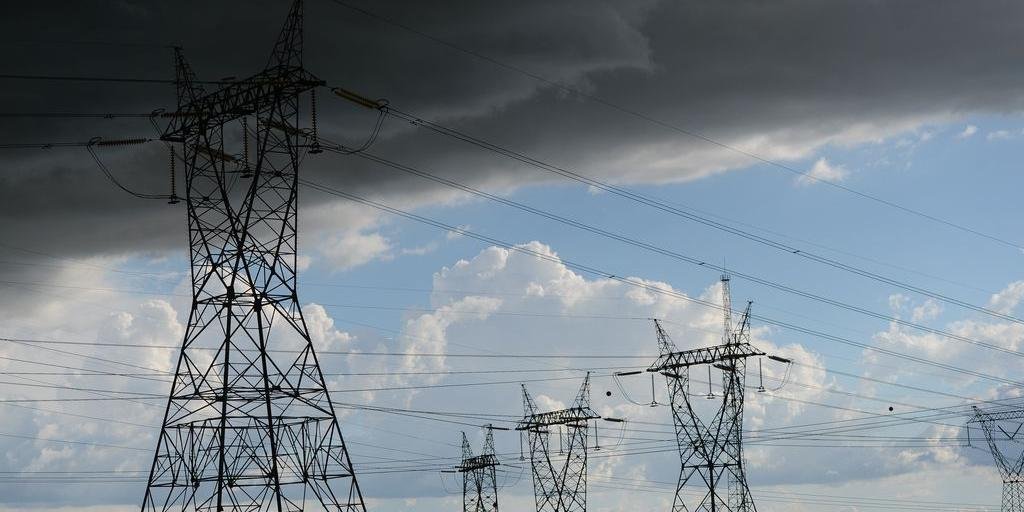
(864, 311)
(948, 412)
(929, 505)
(817, 445)
(822, 246)
(679, 256)
(74, 261)
(825, 369)
(461, 136)
(887, 419)
(826, 389)
(412, 387)
(471, 384)
(44, 145)
(342, 352)
(660, 205)
(673, 210)
(812, 498)
(408, 467)
(675, 128)
(104, 79)
(482, 292)
(36, 342)
(631, 282)
(474, 384)
(930, 330)
(424, 414)
(926, 442)
(858, 377)
(755, 279)
(626, 484)
(69, 115)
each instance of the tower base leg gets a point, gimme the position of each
(1013, 496)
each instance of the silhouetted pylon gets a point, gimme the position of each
(1011, 466)
(479, 476)
(559, 488)
(248, 427)
(713, 450)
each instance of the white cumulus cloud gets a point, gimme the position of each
(968, 132)
(822, 170)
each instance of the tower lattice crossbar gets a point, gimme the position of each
(559, 487)
(249, 425)
(479, 476)
(1002, 429)
(710, 450)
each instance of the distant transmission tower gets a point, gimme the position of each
(712, 451)
(559, 488)
(479, 476)
(247, 427)
(1011, 467)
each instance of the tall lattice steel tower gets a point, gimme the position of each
(248, 427)
(712, 450)
(479, 476)
(999, 437)
(559, 488)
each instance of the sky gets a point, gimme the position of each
(853, 165)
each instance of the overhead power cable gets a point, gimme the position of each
(326, 145)
(886, 418)
(676, 128)
(104, 79)
(155, 376)
(689, 215)
(69, 115)
(645, 286)
(100, 142)
(97, 141)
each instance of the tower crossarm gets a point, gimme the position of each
(574, 416)
(705, 355)
(477, 462)
(981, 417)
(238, 99)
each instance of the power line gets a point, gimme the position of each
(676, 128)
(645, 286)
(474, 384)
(104, 79)
(453, 356)
(886, 419)
(70, 115)
(673, 210)
(679, 256)
(499, 371)
(640, 244)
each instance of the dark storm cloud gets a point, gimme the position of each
(781, 78)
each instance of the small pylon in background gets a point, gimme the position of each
(564, 488)
(479, 476)
(1001, 429)
(713, 451)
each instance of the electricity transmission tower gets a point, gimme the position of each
(564, 488)
(479, 476)
(1011, 467)
(711, 451)
(248, 427)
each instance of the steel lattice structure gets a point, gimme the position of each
(710, 452)
(1011, 468)
(247, 427)
(559, 488)
(479, 476)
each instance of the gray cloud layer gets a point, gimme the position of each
(780, 79)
